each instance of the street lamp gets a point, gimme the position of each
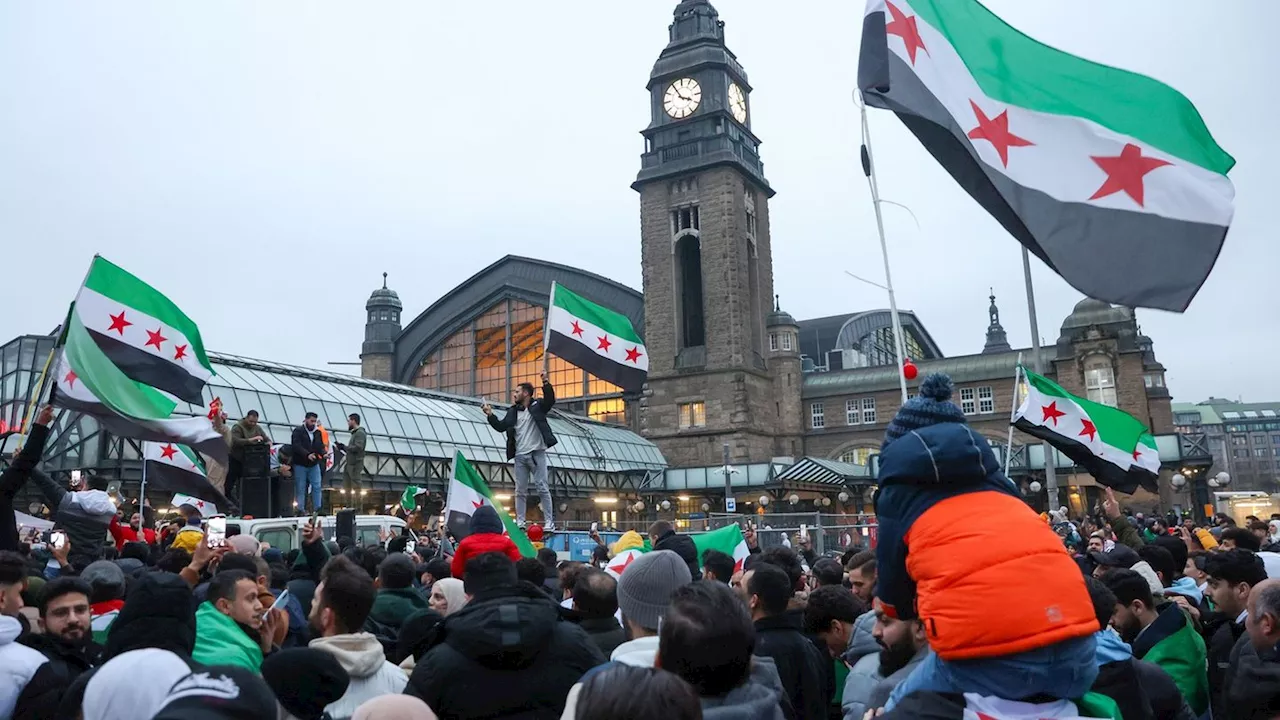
(794, 499)
(1223, 478)
(1178, 480)
(1035, 486)
(844, 496)
(764, 500)
(666, 504)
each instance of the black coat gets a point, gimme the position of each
(683, 546)
(805, 671)
(512, 639)
(538, 409)
(1254, 691)
(44, 692)
(1221, 635)
(1142, 690)
(302, 446)
(159, 612)
(606, 633)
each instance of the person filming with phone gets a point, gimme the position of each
(308, 463)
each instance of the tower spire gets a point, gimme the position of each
(997, 340)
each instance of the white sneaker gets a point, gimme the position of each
(521, 524)
(550, 527)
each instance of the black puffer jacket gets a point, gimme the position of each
(806, 673)
(43, 694)
(1142, 690)
(683, 546)
(513, 639)
(159, 612)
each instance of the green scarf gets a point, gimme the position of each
(221, 641)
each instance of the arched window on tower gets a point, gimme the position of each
(689, 312)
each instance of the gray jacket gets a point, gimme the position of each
(862, 642)
(866, 689)
(84, 515)
(759, 698)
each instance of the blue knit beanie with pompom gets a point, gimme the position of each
(931, 405)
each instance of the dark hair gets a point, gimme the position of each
(396, 572)
(707, 638)
(310, 415)
(439, 569)
(548, 557)
(827, 572)
(569, 574)
(600, 553)
(279, 575)
(1161, 561)
(720, 564)
(64, 586)
(531, 570)
(865, 561)
(292, 556)
(1177, 549)
(235, 561)
(527, 387)
(1236, 566)
(251, 413)
(771, 584)
(637, 693)
(786, 559)
(174, 560)
(137, 550)
(348, 592)
(1259, 525)
(827, 604)
(1128, 586)
(660, 528)
(488, 571)
(13, 568)
(1225, 519)
(596, 594)
(1104, 601)
(354, 416)
(1242, 538)
(367, 558)
(223, 585)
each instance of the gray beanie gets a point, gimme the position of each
(645, 588)
(106, 576)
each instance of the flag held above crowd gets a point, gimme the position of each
(593, 337)
(175, 468)
(1114, 446)
(469, 492)
(1110, 177)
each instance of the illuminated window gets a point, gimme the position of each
(693, 415)
(986, 400)
(816, 416)
(611, 410)
(1100, 381)
(857, 456)
(852, 416)
(967, 405)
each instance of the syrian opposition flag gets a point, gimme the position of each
(620, 562)
(727, 539)
(1114, 446)
(178, 469)
(87, 382)
(467, 493)
(1110, 177)
(596, 339)
(409, 498)
(142, 332)
(204, 507)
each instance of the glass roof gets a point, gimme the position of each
(403, 420)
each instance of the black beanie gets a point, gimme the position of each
(485, 520)
(305, 680)
(159, 612)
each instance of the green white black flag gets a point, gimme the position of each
(593, 337)
(176, 468)
(469, 492)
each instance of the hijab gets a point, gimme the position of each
(133, 685)
(452, 590)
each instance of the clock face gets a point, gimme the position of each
(682, 98)
(738, 103)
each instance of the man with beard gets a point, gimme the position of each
(903, 646)
(1232, 575)
(133, 532)
(67, 642)
(1166, 638)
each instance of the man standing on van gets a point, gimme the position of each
(529, 437)
(353, 466)
(308, 460)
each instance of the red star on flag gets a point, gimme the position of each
(1125, 172)
(200, 504)
(1051, 412)
(1136, 454)
(621, 567)
(180, 352)
(477, 505)
(633, 355)
(1089, 430)
(155, 338)
(737, 565)
(118, 323)
(996, 131)
(905, 28)
(604, 343)
(168, 452)
(577, 329)
(70, 379)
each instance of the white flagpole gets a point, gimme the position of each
(869, 169)
(1013, 413)
(1050, 472)
(546, 329)
(142, 489)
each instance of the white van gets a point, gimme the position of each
(286, 533)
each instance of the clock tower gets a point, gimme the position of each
(708, 271)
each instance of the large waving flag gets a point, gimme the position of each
(727, 540)
(593, 337)
(467, 493)
(176, 468)
(142, 332)
(1114, 446)
(1110, 177)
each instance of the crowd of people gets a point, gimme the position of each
(1015, 615)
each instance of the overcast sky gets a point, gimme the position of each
(264, 163)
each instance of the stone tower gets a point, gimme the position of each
(784, 364)
(997, 340)
(381, 328)
(706, 254)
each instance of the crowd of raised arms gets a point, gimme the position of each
(970, 605)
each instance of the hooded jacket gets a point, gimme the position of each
(805, 671)
(393, 607)
(159, 612)
(486, 536)
(221, 641)
(683, 546)
(955, 536)
(861, 641)
(866, 689)
(1142, 690)
(511, 638)
(18, 665)
(761, 697)
(84, 515)
(361, 655)
(955, 706)
(1171, 642)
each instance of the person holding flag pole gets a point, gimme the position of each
(529, 437)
